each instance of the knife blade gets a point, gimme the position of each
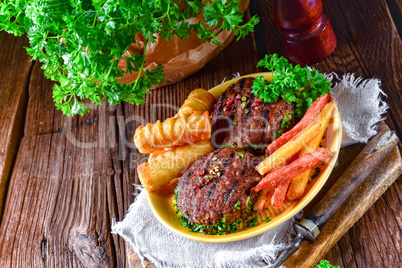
(367, 160)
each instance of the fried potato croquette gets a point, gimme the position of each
(165, 167)
(190, 125)
(173, 132)
(199, 100)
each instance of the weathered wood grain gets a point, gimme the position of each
(364, 197)
(61, 203)
(15, 67)
(67, 188)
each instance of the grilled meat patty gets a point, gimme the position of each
(218, 185)
(239, 118)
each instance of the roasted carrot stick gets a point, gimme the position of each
(279, 195)
(261, 202)
(299, 183)
(294, 145)
(288, 172)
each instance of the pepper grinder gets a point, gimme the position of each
(306, 32)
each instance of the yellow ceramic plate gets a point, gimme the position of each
(164, 211)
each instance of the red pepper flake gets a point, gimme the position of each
(230, 101)
(256, 103)
(197, 188)
(201, 172)
(225, 108)
(238, 96)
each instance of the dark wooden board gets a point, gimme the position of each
(15, 67)
(363, 198)
(63, 198)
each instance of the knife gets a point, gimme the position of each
(369, 158)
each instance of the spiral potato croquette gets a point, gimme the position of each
(199, 100)
(172, 132)
(169, 165)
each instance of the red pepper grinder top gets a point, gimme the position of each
(306, 32)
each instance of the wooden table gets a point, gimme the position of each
(63, 181)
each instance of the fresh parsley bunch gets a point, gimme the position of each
(80, 42)
(325, 264)
(291, 83)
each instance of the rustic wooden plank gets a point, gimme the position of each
(365, 237)
(378, 48)
(62, 201)
(395, 9)
(13, 99)
(66, 190)
(370, 190)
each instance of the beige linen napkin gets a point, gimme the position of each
(360, 106)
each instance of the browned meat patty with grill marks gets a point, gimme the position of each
(241, 119)
(218, 185)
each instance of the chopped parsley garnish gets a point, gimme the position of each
(291, 83)
(278, 134)
(217, 228)
(252, 222)
(241, 154)
(285, 124)
(249, 207)
(267, 219)
(316, 173)
(80, 43)
(231, 145)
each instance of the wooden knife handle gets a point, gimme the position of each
(372, 154)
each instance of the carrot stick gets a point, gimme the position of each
(299, 183)
(293, 146)
(286, 173)
(261, 203)
(307, 119)
(279, 195)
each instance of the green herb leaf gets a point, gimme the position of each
(267, 219)
(291, 83)
(316, 173)
(325, 264)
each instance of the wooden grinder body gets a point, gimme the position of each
(306, 32)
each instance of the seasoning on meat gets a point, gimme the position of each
(241, 119)
(223, 191)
